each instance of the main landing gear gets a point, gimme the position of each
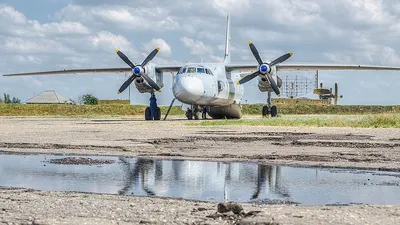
(268, 109)
(153, 112)
(193, 113)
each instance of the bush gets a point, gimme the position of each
(89, 99)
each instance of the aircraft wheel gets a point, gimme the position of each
(157, 115)
(147, 114)
(189, 115)
(265, 111)
(274, 111)
(197, 115)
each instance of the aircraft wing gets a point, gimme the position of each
(161, 68)
(74, 71)
(294, 67)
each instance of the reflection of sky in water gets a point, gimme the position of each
(203, 180)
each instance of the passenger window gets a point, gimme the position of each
(200, 70)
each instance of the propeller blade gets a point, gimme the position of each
(151, 83)
(126, 83)
(255, 53)
(125, 58)
(281, 59)
(273, 85)
(150, 56)
(248, 78)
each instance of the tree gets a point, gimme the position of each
(7, 98)
(89, 99)
(15, 100)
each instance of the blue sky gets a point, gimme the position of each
(59, 34)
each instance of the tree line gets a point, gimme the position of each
(87, 99)
(8, 100)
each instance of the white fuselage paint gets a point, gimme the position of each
(204, 89)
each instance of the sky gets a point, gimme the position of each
(66, 34)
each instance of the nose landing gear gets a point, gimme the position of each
(193, 112)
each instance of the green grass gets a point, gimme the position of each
(255, 109)
(78, 110)
(135, 110)
(299, 115)
(363, 121)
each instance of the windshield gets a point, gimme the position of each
(194, 70)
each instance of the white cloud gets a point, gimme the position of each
(230, 6)
(27, 59)
(132, 18)
(196, 47)
(10, 15)
(108, 41)
(15, 23)
(85, 33)
(165, 49)
(20, 45)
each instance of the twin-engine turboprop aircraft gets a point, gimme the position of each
(216, 86)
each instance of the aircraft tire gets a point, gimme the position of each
(197, 116)
(274, 111)
(189, 115)
(147, 114)
(265, 111)
(157, 115)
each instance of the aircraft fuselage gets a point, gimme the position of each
(207, 84)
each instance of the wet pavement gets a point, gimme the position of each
(198, 180)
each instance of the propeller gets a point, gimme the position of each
(138, 70)
(264, 68)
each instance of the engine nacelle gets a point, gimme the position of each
(142, 85)
(263, 83)
(150, 70)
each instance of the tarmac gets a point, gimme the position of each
(362, 148)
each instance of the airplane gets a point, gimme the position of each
(218, 87)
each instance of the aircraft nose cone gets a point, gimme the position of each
(188, 89)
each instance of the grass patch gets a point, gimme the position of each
(363, 121)
(79, 110)
(114, 110)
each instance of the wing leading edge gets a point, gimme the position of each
(160, 68)
(294, 67)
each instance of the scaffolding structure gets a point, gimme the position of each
(297, 86)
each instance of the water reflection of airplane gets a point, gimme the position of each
(200, 180)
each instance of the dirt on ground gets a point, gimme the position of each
(362, 148)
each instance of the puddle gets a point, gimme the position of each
(197, 180)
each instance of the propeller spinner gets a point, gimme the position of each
(138, 70)
(264, 68)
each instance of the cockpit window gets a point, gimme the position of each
(194, 70)
(191, 70)
(182, 70)
(201, 70)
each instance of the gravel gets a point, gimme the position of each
(302, 146)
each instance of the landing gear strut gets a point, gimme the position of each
(268, 109)
(153, 112)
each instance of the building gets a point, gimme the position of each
(49, 97)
